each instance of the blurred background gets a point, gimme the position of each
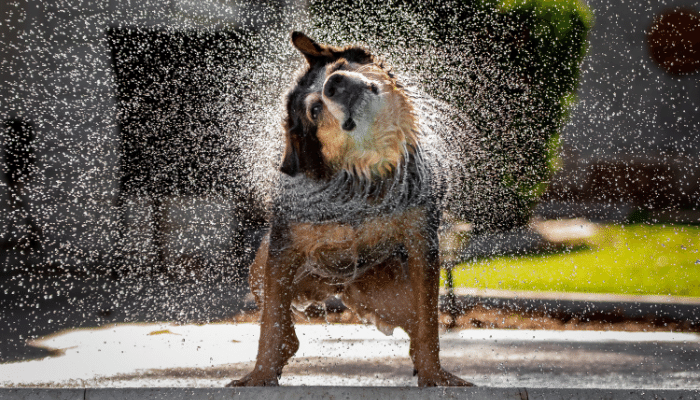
(139, 144)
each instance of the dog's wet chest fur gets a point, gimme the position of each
(342, 250)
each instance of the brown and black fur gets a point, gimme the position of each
(356, 217)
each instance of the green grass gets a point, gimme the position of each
(636, 259)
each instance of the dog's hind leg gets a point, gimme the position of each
(278, 340)
(424, 276)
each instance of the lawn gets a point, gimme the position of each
(638, 259)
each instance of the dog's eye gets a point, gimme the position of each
(316, 111)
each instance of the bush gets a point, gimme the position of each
(510, 66)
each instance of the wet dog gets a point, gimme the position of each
(356, 215)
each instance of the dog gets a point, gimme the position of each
(356, 215)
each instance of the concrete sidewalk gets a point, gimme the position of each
(334, 393)
(208, 356)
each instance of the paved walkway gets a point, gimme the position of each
(165, 355)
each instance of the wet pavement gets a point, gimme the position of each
(98, 332)
(170, 355)
(31, 307)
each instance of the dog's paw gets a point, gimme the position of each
(253, 380)
(441, 378)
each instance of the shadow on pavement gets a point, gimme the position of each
(39, 301)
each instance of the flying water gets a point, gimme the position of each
(150, 204)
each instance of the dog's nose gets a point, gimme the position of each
(345, 87)
(335, 85)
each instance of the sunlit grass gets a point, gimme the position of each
(636, 260)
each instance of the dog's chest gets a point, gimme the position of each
(340, 250)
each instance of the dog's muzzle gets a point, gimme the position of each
(346, 91)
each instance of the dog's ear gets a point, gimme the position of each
(310, 49)
(291, 163)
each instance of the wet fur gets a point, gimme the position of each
(393, 135)
(382, 261)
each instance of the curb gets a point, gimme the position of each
(581, 304)
(367, 393)
(678, 309)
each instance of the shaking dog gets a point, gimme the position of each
(356, 215)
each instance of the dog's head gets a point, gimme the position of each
(346, 112)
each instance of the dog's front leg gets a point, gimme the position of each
(278, 341)
(424, 275)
